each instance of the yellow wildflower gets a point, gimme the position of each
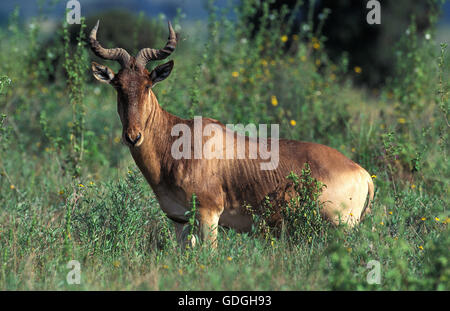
(353, 149)
(421, 247)
(436, 218)
(61, 192)
(284, 38)
(274, 100)
(423, 219)
(401, 120)
(264, 63)
(117, 139)
(374, 176)
(413, 186)
(116, 263)
(390, 213)
(303, 58)
(202, 267)
(165, 266)
(81, 185)
(382, 223)
(235, 74)
(293, 123)
(229, 258)
(180, 271)
(358, 69)
(317, 62)
(12, 187)
(316, 45)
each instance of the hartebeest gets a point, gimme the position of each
(224, 187)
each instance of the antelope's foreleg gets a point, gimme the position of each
(208, 223)
(182, 233)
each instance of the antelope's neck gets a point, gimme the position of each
(152, 155)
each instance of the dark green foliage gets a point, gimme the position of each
(293, 213)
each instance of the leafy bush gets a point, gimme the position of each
(292, 212)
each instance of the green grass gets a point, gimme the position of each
(70, 190)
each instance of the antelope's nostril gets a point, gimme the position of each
(128, 139)
(137, 138)
(131, 141)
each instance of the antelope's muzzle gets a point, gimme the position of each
(134, 138)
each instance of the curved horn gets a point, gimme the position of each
(117, 54)
(148, 54)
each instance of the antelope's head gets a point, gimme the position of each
(133, 82)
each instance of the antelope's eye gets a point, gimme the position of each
(147, 87)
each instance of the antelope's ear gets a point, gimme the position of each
(161, 72)
(102, 73)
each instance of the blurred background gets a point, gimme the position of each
(344, 27)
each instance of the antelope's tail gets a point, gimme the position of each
(369, 200)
